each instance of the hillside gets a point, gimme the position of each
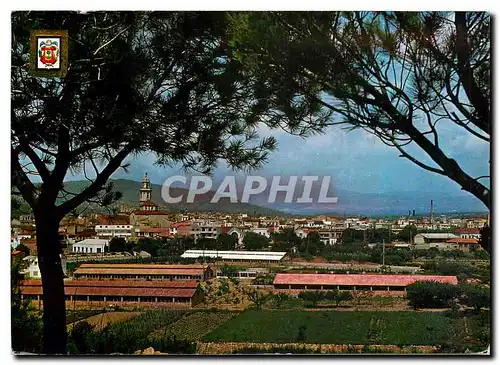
(130, 191)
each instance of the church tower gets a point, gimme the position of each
(145, 191)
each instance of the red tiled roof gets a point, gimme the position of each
(120, 283)
(153, 230)
(467, 231)
(128, 271)
(463, 240)
(150, 212)
(359, 279)
(148, 203)
(224, 229)
(145, 266)
(86, 233)
(113, 219)
(125, 292)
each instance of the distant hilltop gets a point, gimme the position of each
(130, 199)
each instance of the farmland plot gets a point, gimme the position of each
(99, 321)
(193, 326)
(396, 328)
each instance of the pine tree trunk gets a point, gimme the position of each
(49, 261)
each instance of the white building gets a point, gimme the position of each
(91, 245)
(15, 241)
(260, 256)
(114, 230)
(205, 230)
(261, 231)
(32, 271)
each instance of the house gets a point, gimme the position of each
(147, 232)
(463, 244)
(262, 231)
(114, 230)
(182, 228)
(32, 271)
(14, 241)
(430, 240)
(474, 233)
(205, 230)
(91, 245)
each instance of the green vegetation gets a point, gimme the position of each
(26, 322)
(77, 315)
(127, 337)
(398, 328)
(255, 242)
(463, 270)
(264, 279)
(193, 326)
(440, 295)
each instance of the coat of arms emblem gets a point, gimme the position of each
(49, 53)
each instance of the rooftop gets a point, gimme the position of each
(238, 255)
(359, 279)
(92, 241)
(120, 283)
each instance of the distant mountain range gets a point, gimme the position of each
(349, 202)
(130, 191)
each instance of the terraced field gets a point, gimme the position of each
(103, 319)
(193, 326)
(362, 327)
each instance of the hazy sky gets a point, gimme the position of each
(355, 160)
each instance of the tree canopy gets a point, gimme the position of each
(160, 82)
(407, 78)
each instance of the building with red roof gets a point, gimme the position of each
(372, 282)
(98, 293)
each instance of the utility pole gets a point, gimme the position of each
(383, 252)
(432, 211)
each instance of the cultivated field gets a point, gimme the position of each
(103, 319)
(193, 326)
(396, 328)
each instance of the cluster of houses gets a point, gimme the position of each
(91, 235)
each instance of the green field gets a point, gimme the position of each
(194, 326)
(395, 328)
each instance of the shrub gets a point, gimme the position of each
(430, 294)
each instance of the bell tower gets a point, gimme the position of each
(145, 191)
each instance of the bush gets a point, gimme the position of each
(430, 294)
(279, 299)
(80, 338)
(313, 296)
(476, 296)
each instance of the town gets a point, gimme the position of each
(250, 182)
(149, 259)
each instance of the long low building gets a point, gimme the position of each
(143, 272)
(248, 256)
(95, 293)
(373, 282)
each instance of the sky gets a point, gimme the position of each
(356, 161)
